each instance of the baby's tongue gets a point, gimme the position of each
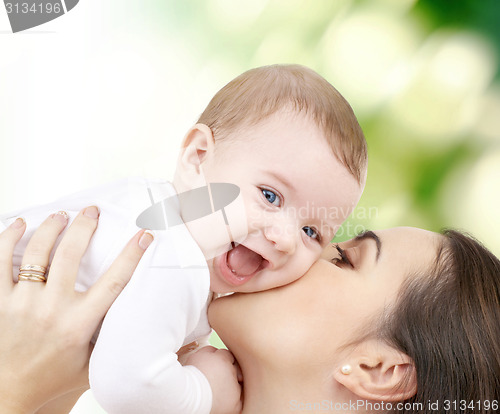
(243, 261)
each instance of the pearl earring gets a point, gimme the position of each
(346, 369)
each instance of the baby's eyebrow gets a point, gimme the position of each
(368, 234)
(282, 179)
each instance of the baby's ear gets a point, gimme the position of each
(377, 371)
(197, 144)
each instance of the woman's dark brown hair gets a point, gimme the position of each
(450, 326)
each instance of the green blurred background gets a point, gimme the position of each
(422, 76)
(109, 90)
(125, 79)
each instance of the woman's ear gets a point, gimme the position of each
(197, 145)
(376, 371)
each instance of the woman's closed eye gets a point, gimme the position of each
(272, 197)
(343, 257)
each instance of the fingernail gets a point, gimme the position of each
(146, 239)
(18, 223)
(61, 216)
(92, 212)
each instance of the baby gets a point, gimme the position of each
(292, 148)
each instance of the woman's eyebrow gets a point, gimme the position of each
(368, 234)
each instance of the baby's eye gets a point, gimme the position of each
(272, 197)
(311, 232)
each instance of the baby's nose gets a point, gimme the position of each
(284, 239)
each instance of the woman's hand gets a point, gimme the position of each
(46, 328)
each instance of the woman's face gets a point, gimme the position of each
(312, 318)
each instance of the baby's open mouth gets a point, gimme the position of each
(244, 262)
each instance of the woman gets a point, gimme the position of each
(395, 316)
(389, 317)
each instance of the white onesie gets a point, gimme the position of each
(134, 367)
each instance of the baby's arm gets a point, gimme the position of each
(116, 226)
(222, 372)
(134, 367)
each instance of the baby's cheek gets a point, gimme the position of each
(302, 266)
(312, 257)
(237, 217)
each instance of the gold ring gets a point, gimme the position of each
(33, 268)
(31, 277)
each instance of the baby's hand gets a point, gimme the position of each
(221, 370)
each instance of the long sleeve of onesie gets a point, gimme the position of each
(139, 373)
(134, 367)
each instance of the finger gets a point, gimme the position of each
(208, 349)
(41, 243)
(8, 239)
(64, 267)
(239, 373)
(109, 286)
(226, 355)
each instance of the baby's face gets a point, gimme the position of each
(295, 195)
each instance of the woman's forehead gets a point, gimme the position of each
(396, 242)
(329, 251)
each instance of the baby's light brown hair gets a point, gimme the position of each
(260, 92)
